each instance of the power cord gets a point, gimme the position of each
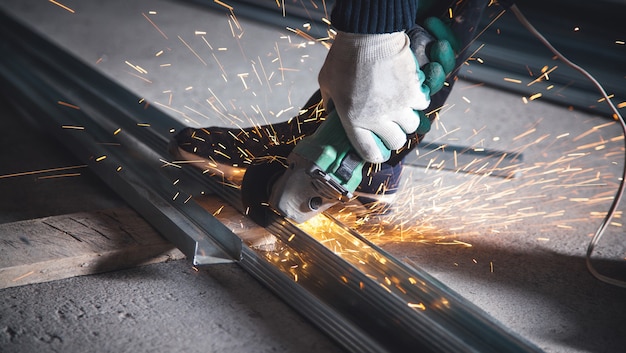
(620, 191)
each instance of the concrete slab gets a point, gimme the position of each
(168, 307)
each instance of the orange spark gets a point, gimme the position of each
(59, 176)
(62, 6)
(154, 25)
(22, 276)
(41, 171)
(65, 104)
(224, 4)
(193, 51)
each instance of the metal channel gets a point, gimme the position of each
(365, 299)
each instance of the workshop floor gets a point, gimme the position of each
(514, 247)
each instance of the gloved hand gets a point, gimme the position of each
(435, 47)
(373, 82)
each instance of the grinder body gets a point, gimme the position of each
(322, 170)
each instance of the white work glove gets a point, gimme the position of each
(373, 82)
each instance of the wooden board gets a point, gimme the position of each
(57, 247)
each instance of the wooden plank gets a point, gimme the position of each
(85, 243)
(57, 247)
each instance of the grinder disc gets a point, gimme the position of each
(256, 188)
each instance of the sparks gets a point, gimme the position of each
(65, 104)
(154, 25)
(12, 175)
(66, 175)
(19, 278)
(62, 6)
(73, 127)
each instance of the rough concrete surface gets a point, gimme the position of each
(168, 307)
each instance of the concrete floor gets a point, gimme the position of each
(165, 307)
(526, 268)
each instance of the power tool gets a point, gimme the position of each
(323, 169)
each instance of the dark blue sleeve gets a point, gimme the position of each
(374, 16)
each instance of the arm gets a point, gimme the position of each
(374, 16)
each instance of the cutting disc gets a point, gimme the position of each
(256, 188)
